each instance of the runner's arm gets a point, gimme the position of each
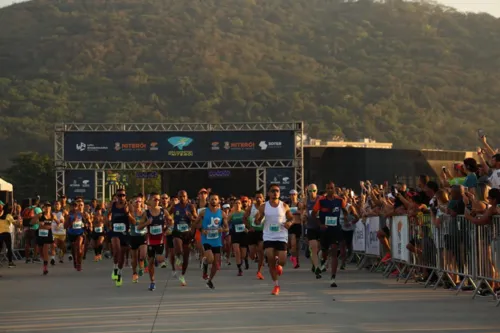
(246, 216)
(289, 216)
(144, 221)
(260, 215)
(199, 218)
(225, 219)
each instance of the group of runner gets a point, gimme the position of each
(155, 229)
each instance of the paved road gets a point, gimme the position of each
(88, 302)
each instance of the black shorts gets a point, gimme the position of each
(255, 237)
(347, 236)
(95, 236)
(137, 241)
(214, 249)
(41, 241)
(313, 234)
(186, 237)
(276, 245)
(170, 241)
(30, 236)
(330, 236)
(240, 238)
(73, 238)
(124, 238)
(155, 250)
(295, 229)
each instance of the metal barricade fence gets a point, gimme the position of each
(373, 249)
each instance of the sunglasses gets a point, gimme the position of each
(156, 199)
(274, 191)
(121, 195)
(164, 198)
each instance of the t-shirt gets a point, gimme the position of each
(495, 179)
(458, 206)
(329, 210)
(470, 180)
(5, 222)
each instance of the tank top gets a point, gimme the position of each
(251, 219)
(119, 220)
(312, 222)
(182, 223)
(44, 222)
(134, 229)
(156, 228)
(76, 224)
(212, 221)
(237, 224)
(56, 229)
(274, 227)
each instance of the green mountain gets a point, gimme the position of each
(415, 74)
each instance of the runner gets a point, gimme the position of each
(295, 230)
(98, 233)
(238, 233)
(44, 236)
(59, 232)
(75, 222)
(255, 233)
(120, 218)
(328, 208)
(313, 229)
(278, 219)
(155, 221)
(138, 240)
(213, 222)
(201, 205)
(30, 231)
(184, 214)
(226, 237)
(169, 239)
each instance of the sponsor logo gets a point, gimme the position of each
(239, 145)
(264, 145)
(153, 146)
(227, 145)
(81, 146)
(215, 145)
(118, 146)
(85, 182)
(179, 143)
(89, 147)
(286, 180)
(130, 146)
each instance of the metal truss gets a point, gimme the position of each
(100, 185)
(299, 159)
(60, 183)
(260, 174)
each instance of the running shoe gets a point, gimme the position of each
(135, 278)
(152, 286)
(279, 270)
(163, 264)
(293, 260)
(61, 261)
(12, 265)
(317, 272)
(313, 269)
(333, 284)
(146, 270)
(276, 291)
(28, 261)
(70, 257)
(182, 280)
(387, 257)
(36, 260)
(114, 274)
(205, 276)
(240, 273)
(141, 272)
(52, 261)
(246, 264)
(178, 262)
(96, 258)
(260, 276)
(210, 285)
(342, 267)
(119, 281)
(45, 270)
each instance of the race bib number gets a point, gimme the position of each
(155, 230)
(331, 221)
(239, 227)
(77, 225)
(274, 228)
(98, 230)
(43, 233)
(119, 227)
(182, 227)
(294, 210)
(213, 234)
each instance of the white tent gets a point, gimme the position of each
(5, 187)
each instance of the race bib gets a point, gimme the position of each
(140, 231)
(77, 225)
(239, 227)
(155, 230)
(182, 227)
(294, 210)
(213, 234)
(98, 230)
(331, 221)
(43, 233)
(119, 227)
(274, 228)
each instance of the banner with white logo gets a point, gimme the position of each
(80, 183)
(284, 178)
(372, 242)
(400, 238)
(359, 239)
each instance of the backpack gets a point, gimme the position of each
(27, 214)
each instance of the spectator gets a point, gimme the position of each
(494, 171)
(6, 220)
(470, 166)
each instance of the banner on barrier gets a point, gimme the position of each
(372, 242)
(359, 239)
(399, 238)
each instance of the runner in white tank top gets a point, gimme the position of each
(278, 219)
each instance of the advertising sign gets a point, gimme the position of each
(214, 174)
(178, 146)
(80, 183)
(372, 242)
(284, 178)
(399, 238)
(359, 239)
(146, 175)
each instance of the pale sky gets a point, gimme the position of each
(488, 6)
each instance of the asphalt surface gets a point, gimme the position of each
(89, 302)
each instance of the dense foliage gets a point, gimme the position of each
(418, 75)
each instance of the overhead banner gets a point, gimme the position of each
(400, 238)
(372, 242)
(178, 146)
(80, 183)
(283, 177)
(359, 239)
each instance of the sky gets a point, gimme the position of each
(488, 6)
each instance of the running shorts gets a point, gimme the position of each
(137, 241)
(276, 245)
(95, 236)
(295, 229)
(155, 250)
(313, 234)
(60, 237)
(41, 241)
(330, 236)
(72, 238)
(170, 241)
(124, 238)
(240, 238)
(255, 237)
(214, 249)
(186, 237)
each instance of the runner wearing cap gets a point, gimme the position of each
(238, 233)
(295, 230)
(44, 236)
(255, 232)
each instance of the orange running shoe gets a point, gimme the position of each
(260, 276)
(279, 269)
(135, 278)
(276, 290)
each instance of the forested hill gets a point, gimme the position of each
(418, 75)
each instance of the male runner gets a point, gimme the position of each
(120, 218)
(184, 214)
(295, 230)
(137, 240)
(329, 208)
(313, 229)
(165, 203)
(278, 219)
(213, 222)
(255, 232)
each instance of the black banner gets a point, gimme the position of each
(80, 183)
(284, 178)
(178, 146)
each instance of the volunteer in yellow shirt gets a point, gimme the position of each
(6, 220)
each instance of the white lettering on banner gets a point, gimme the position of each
(359, 240)
(399, 238)
(372, 242)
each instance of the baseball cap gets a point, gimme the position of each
(202, 190)
(293, 192)
(226, 206)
